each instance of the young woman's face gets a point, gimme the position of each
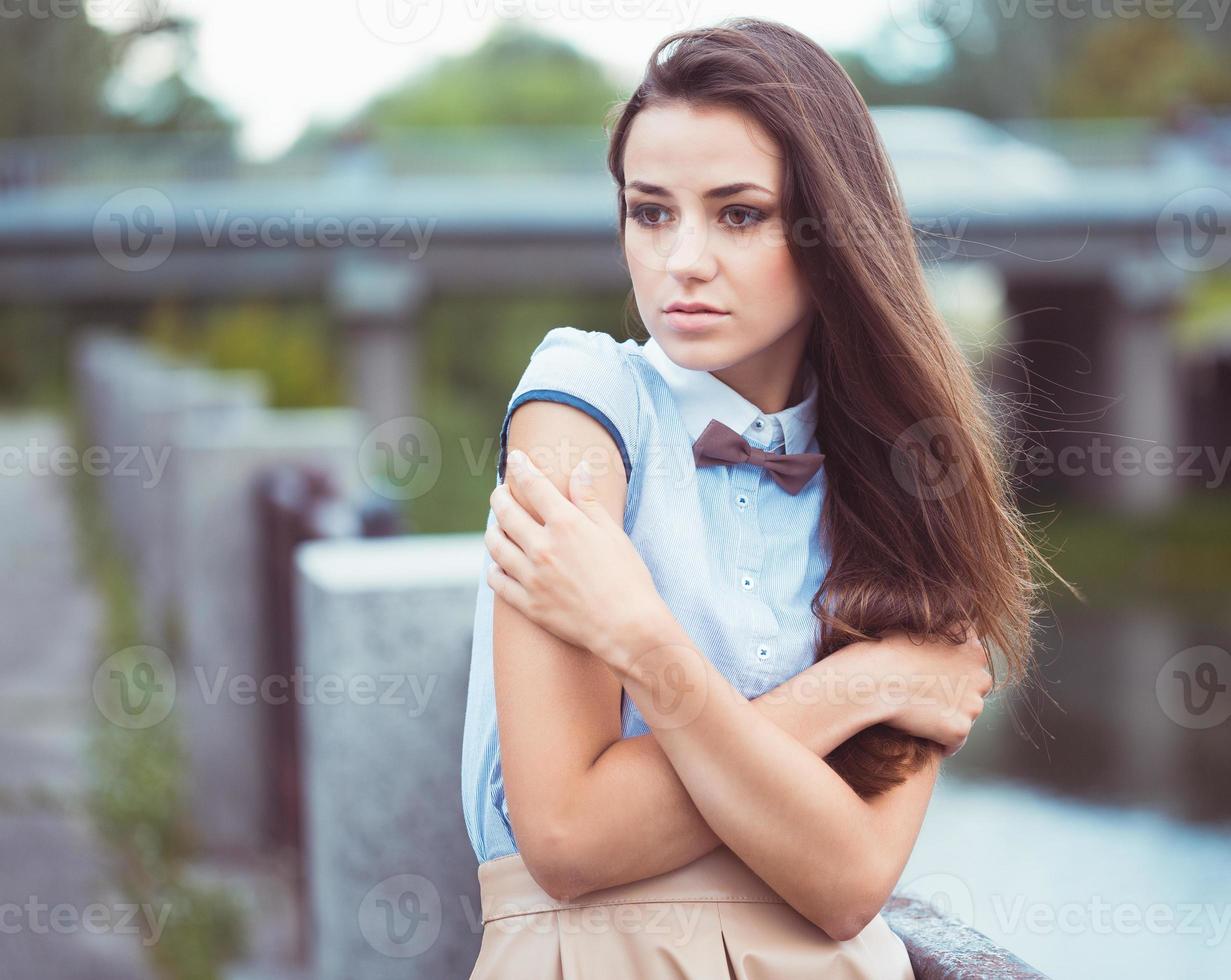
(704, 225)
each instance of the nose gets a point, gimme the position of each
(690, 256)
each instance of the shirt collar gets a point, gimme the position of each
(701, 397)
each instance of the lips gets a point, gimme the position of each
(686, 321)
(692, 308)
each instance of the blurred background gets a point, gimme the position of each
(268, 276)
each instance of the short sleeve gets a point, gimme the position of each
(585, 369)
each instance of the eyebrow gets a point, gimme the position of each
(726, 190)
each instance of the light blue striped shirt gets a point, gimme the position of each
(736, 558)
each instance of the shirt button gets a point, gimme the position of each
(741, 501)
(759, 424)
(763, 652)
(746, 583)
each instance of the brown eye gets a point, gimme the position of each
(747, 216)
(638, 214)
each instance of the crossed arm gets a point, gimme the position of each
(592, 810)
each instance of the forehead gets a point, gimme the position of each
(677, 145)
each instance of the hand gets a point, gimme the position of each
(577, 575)
(934, 690)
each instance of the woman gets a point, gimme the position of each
(717, 663)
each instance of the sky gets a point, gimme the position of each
(277, 65)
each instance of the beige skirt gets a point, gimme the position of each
(713, 919)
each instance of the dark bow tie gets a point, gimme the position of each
(719, 444)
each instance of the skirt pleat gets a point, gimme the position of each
(708, 920)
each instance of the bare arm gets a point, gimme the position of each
(632, 818)
(564, 761)
(782, 810)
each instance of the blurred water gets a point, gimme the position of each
(1093, 838)
(1077, 890)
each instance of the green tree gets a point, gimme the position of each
(516, 77)
(52, 71)
(1140, 67)
(56, 70)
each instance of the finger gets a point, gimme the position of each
(548, 502)
(515, 521)
(508, 590)
(505, 553)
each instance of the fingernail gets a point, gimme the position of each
(517, 459)
(583, 472)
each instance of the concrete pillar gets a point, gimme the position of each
(375, 300)
(216, 574)
(392, 618)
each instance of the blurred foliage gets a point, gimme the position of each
(1141, 67)
(290, 343)
(475, 350)
(517, 76)
(32, 356)
(70, 57)
(77, 65)
(1180, 557)
(136, 796)
(1038, 60)
(1206, 314)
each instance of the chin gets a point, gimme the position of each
(699, 353)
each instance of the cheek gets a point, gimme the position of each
(767, 276)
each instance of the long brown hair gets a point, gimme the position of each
(920, 512)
